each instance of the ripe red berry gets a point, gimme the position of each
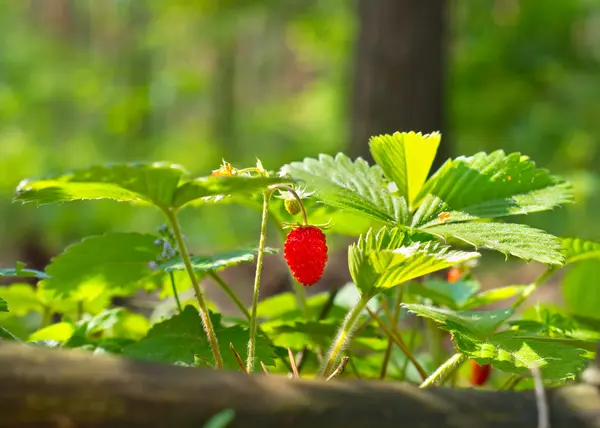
(305, 250)
(479, 373)
(454, 274)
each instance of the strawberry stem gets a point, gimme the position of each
(259, 262)
(296, 196)
(343, 336)
(204, 315)
(445, 370)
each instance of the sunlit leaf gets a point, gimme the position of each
(493, 295)
(512, 351)
(115, 263)
(406, 159)
(486, 186)
(21, 299)
(476, 323)
(216, 262)
(352, 186)
(454, 295)
(203, 187)
(153, 183)
(59, 332)
(376, 262)
(518, 240)
(577, 250)
(581, 289)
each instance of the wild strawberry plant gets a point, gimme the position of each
(407, 224)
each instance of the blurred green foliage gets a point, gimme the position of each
(85, 82)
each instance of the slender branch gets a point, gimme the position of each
(445, 370)
(295, 195)
(293, 363)
(259, 262)
(204, 314)
(175, 293)
(237, 357)
(400, 342)
(411, 341)
(394, 325)
(230, 293)
(533, 286)
(343, 336)
(340, 369)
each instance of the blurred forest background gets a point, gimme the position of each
(95, 81)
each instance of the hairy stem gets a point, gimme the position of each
(230, 293)
(445, 370)
(394, 322)
(204, 315)
(533, 286)
(175, 293)
(397, 339)
(259, 263)
(343, 336)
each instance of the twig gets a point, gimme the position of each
(540, 398)
(238, 358)
(265, 369)
(340, 368)
(293, 363)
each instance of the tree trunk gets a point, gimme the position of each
(399, 78)
(70, 388)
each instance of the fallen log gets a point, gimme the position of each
(67, 388)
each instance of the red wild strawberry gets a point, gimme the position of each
(454, 274)
(479, 373)
(305, 250)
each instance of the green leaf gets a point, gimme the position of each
(406, 159)
(153, 183)
(115, 263)
(221, 419)
(7, 335)
(478, 324)
(59, 332)
(181, 339)
(493, 295)
(216, 262)
(508, 238)
(21, 271)
(453, 295)
(203, 187)
(511, 351)
(577, 250)
(21, 298)
(378, 262)
(3, 305)
(580, 289)
(486, 186)
(352, 186)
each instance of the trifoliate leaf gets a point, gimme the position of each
(406, 159)
(376, 263)
(454, 295)
(3, 305)
(478, 324)
(493, 295)
(216, 262)
(581, 289)
(203, 187)
(352, 186)
(115, 263)
(577, 250)
(518, 240)
(181, 339)
(153, 183)
(511, 351)
(486, 186)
